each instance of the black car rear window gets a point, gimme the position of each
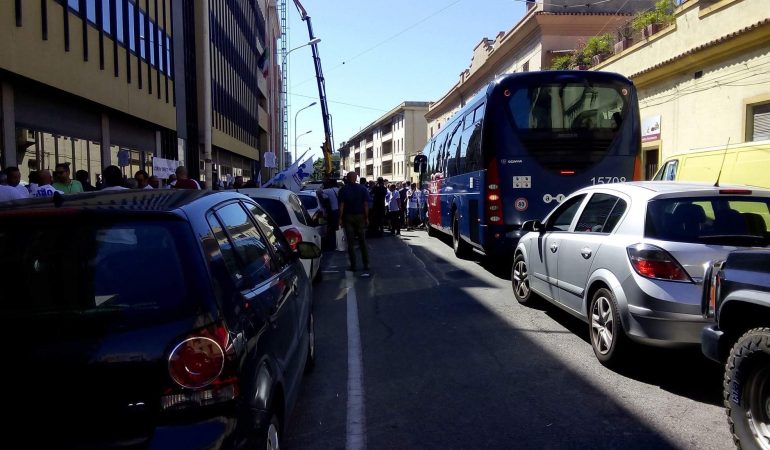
(90, 267)
(277, 210)
(718, 220)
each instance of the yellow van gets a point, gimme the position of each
(746, 164)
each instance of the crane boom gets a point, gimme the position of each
(327, 120)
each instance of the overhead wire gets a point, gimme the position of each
(340, 103)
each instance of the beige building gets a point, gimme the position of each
(704, 81)
(386, 147)
(547, 29)
(101, 82)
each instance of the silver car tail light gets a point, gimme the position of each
(653, 262)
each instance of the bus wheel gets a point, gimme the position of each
(460, 247)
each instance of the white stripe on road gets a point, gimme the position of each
(356, 424)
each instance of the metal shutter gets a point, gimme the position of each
(761, 117)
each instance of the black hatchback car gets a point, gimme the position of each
(150, 319)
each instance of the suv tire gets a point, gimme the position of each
(747, 389)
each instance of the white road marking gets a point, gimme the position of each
(356, 422)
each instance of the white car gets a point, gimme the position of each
(296, 224)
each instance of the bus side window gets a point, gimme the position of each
(473, 159)
(452, 151)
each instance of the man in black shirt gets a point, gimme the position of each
(354, 217)
(379, 192)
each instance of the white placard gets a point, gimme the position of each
(162, 168)
(269, 159)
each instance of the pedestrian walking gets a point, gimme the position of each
(182, 182)
(354, 216)
(113, 179)
(379, 192)
(394, 210)
(414, 199)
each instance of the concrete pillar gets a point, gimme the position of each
(9, 126)
(105, 143)
(203, 70)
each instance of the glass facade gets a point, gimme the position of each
(157, 52)
(45, 150)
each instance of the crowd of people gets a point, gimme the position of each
(366, 208)
(43, 183)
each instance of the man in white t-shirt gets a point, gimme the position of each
(46, 189)
(14, 181)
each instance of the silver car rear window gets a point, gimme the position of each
(717, 220)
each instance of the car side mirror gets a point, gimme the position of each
(308, 250)
(532, 225)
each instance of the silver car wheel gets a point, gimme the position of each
(520, 279)
(602, 325)
(272, 438)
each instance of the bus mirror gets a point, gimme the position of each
(532, 225)
(420, 163)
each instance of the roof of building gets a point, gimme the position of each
(712, 43)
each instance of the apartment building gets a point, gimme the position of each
(386, 147)
(547, 29)
(703, 81)
(101, 82)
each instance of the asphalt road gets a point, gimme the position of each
(451, 361)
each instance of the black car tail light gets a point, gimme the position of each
(294, 237)
(653, 262)
(202, 368)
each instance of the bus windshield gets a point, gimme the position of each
(567, 126)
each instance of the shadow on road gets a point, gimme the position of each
(682, 371)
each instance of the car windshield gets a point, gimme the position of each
(309, 201)
(92, 267)
(277, 210)
(735, 220)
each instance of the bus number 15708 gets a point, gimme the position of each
(607, 180)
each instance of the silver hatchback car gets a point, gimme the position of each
(629, 258)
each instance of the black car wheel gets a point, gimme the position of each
(271, 440)
(747, 390)
(520, 281)
(310, 362)
(608, 338)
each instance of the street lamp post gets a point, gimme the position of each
(311, 42)
(285, 92)
(295, 142)
(295, 127)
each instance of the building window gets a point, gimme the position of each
(758, 122)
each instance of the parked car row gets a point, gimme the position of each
(171, 319)
(664, 264)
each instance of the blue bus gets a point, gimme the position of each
(520, 146)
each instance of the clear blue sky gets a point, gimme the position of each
(377, 54)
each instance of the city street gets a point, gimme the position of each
(450, 360)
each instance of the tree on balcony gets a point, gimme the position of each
(654, 20)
